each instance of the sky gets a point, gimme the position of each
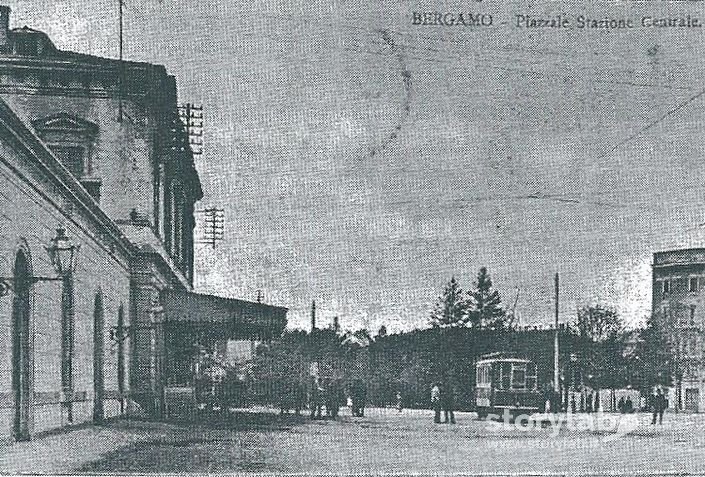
(362, 160)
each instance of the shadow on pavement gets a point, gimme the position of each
(229, 442)
(243, 420)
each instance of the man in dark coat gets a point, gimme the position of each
(622, 406)
(658, 405)
(317, 396)
(333, 398)
(287, 396)
(359, 396)
(448, 403)
(629, 405)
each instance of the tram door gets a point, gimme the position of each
(692, 398)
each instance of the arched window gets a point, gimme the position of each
(98, 350)
(72, 140)
(21, 345)
(177, 221)
(121, 357)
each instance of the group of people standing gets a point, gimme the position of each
(330, 393)
(625, 406)
(443, 399)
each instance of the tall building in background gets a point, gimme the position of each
(679, 304)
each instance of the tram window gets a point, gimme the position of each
(496, 376)
(506, 375)
(485, 374)
(531, 376)
(519, 377)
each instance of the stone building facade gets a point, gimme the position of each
(95, 146)
(34, 195)
(679, 303)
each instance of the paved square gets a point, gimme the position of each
(384, 441)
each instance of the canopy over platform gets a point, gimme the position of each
(234, 319)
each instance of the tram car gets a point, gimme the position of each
(504, 382)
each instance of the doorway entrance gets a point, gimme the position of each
(692, 399)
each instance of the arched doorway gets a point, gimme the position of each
(21, 362)
(98, 349)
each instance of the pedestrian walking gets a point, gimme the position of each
(555, 401)
(629, 405)
(335, 395)
(287, 396)
(448, 403)
(622, 405)
(317, 395)
(588, 404)
(436, 402)
(596, 408)
(658, 406)
(328, 385)
(400, 405)
(548, 398)
(359, 396)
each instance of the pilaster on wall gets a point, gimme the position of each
(146, 376)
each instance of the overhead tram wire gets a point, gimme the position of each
(552, 197)
(650, 125)
(406, 47)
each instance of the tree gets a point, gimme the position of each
(280, 363)
(485, 310)
(382, 332)
(598, 324)
(601, 344)
(451, 309)
(655, 353)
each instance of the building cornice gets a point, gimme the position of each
(166, 267)
(110, 236)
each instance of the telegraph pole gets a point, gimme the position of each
(313, 315)
(192, 117)
(556, 383)
(121, 65)
(213, 225)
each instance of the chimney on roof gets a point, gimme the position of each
(4, 28)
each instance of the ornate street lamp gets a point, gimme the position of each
(63, 255)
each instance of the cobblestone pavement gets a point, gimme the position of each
(384, 441)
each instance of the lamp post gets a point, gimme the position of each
(63, 255)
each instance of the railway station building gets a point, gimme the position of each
(98, 189)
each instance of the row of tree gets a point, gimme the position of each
(597, 351)
(478, 308)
